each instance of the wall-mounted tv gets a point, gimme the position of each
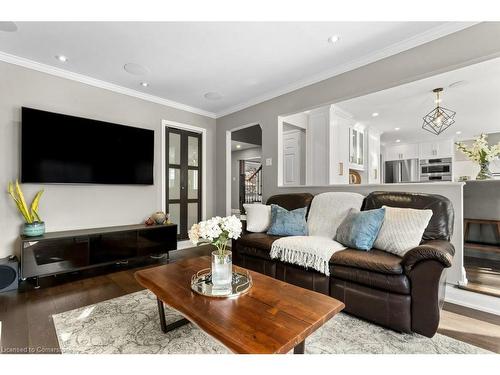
(57, 148)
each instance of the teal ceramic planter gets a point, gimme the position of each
(34, 229)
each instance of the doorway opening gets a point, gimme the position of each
(246, 177)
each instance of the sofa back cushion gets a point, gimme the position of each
(328, 210)
(291, 201)
(440, 226)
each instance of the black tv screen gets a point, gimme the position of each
(57, 148)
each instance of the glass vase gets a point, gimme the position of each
(484, 172)
(222, 270)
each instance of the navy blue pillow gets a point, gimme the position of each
(287, 223)
(359, 229)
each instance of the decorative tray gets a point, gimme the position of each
(201, 283)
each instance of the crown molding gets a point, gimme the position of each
(404, 45)
(44, 68)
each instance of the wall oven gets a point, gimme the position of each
(436, 169)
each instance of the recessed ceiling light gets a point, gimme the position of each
(458, 132)
(238, 146)
(398, 140)
(333, 39)
(375, 114)
(212, 96)
(62, 58)
(8, 26)
(144, 84)
(135, 69)
(397, 129)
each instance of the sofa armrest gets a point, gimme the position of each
(439, 250)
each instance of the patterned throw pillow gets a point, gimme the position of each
(287, 223)
(402, 229)
(359, 229)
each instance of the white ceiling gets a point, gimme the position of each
(245, 63)
(476, 102)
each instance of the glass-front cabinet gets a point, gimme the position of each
(356, 149)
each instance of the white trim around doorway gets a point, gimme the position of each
(177, 125)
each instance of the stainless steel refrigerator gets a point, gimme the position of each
(399, 171)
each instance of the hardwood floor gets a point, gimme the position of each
(483, 276)
(26, 323)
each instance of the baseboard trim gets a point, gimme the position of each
(472, 300)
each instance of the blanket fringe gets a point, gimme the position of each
(300, 258)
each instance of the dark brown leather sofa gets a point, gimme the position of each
(405, 294)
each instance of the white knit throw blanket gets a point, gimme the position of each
(306, 251)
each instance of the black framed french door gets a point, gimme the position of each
(184, 180)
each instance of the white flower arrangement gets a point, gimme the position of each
(480, 152)
(216, 231)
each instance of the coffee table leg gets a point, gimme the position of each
(300, 348)
(168, 327)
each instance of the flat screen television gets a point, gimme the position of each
(57, 148)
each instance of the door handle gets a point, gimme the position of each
(341, 169)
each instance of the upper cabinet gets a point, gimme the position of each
(373, 162)
(435, 150)
(356, 149)
(401, 152)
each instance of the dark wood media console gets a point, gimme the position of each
(74, 250)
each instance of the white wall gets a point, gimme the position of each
(82, 206)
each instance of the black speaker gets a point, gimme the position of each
(8, 274)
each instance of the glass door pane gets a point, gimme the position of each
(193, 151)
(174, 183)
(174, 148)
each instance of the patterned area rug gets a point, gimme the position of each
(129, 324)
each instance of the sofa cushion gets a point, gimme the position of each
(373, 260)
(328, 210)
(258, 217)
(440, 226)
(392, 283)
(402, 229)
(287, 223)
(258, 240)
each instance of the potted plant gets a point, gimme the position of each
(217, 232)
(481, 153)
(33, 225)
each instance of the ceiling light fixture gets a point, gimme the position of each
(333, 39)
(397, 129)
(213, 96)
(238, 146)
(458, 132)
(135, 69)
(439, 119)
(375, 114)
(144, 84)
(398, 140)
(8, 26)
(62, 58)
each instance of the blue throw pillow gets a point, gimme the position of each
(287, 223)
(359, 229)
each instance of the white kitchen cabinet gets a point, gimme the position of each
(439, 149)
(340, 122)
(373, 148)
(401, 152)
(356, 149)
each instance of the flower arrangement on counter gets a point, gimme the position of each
(216, 231)
(481, 153)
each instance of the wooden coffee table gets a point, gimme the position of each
(272, 317)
